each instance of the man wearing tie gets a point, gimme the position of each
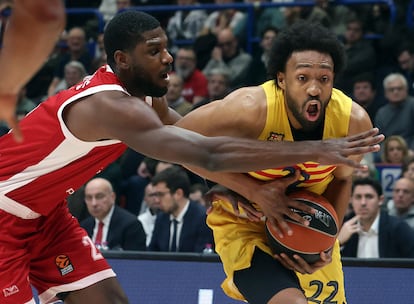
(110, 226)
(181, 226)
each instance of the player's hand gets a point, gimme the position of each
(8, 114)
(348, 229)
(219, 192)
(276, 205)
(336, 151)
(298, 264)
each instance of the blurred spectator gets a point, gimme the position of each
(222, 19)
(174, 95)
(360, 55)
(149, 214)
(77, 50)
(197, 192)
(402, 204)
(24, 106)
(108, 8)
(394, 150)
(364, 93)
(397, 116)
(99, 58)
(407, 168)
(258, 67)
(372, 232)
(218, 86)
(74, 73)
(264, 17)
(186, 24)
(110, 226)
(195, 83)
(181, 226)
(228, 55)
(405, 58)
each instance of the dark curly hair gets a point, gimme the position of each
(304, 36)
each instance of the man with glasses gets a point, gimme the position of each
(397, 116)
(181, 226)
(228, 55)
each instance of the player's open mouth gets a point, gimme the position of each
(313, 109)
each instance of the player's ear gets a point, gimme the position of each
(121, 59)
(280, 80)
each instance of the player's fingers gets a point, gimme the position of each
(280, 226)
(369, 134)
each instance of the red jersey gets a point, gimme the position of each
(51, 163)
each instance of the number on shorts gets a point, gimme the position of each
(95, 254)
(319, 287)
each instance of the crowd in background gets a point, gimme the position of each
(211, 58)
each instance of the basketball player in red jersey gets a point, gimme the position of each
(76, 133)
(29, 38)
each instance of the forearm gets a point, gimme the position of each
(31, 34)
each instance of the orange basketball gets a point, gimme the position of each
(307, 241)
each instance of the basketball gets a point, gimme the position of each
(307, 241)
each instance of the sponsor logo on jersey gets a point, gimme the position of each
(63, 264)
(8, 291)
(275, 136)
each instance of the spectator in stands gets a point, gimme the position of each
(402, 204)
(195, 82)
(405, 58)
(197, 192)
(360, 55)
(264, 17)
(394, 150)
(372, 232)
(258, 67)
(99, 58)
(218, 86)
(110, 226)
(24, 106)
(181, 226)
(74, 73)
(108, 8)
(174, 95)
(77, 50)
(229, 55)
(407, 168)
(185, 24)
(397, 116)
(222, 19)
(364, 93)
(149, 214)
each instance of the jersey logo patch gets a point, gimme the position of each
(273, 136)
(63, 264)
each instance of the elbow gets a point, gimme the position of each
(50, 12)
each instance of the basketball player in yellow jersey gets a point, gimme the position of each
(299, 103)
(30, 36)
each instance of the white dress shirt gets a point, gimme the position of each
(368, 241)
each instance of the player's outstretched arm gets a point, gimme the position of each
(30, 36)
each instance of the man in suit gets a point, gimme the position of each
(181, 226)
(120, 229)
(372, 232)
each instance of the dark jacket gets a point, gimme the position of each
(395, 239)
(195, 233)
(125, 231)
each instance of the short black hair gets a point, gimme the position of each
(365, 77)
(175, 178)
(124, 32)
(305, 36)
(376, 185)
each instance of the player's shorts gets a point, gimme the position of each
(53, 254)
(236, 239)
